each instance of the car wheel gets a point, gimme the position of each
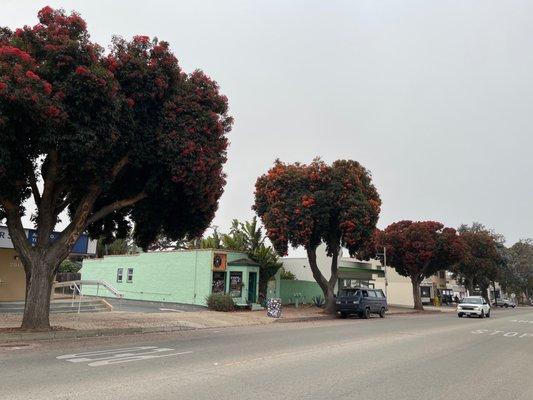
(344, 315)
(366, 313)
(382, 312)
(460, 315)
(482, 315)
(506, 305)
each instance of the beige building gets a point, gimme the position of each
(12, 276)
(399, 290)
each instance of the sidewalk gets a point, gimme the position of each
(124, 323)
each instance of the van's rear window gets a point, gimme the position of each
(349, 293)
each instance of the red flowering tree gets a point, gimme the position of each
(305, 205)
(112, 139)
(417, 250)
(484, 259)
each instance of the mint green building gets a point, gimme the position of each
(185, 277)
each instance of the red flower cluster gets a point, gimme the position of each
(81, 70)
(53, 112)
(111, 63)
(10, 51)
(307, 201)
(141, 39)
(47, 87)
(3, 86)
(32, 75)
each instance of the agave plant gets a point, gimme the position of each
(318, 301)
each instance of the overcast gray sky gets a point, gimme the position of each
(433, 97)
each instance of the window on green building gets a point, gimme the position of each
(219, 285)
(129, 278)
(235, 284)
(119, 275)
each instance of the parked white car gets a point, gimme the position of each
(473, 305)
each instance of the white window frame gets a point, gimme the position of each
(129, 275)
(120, 273)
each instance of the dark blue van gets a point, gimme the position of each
(362, 302)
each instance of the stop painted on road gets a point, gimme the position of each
(511, 334)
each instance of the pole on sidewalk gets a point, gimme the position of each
(385, 269)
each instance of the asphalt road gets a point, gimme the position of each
(437, 356)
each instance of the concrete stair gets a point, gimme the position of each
(58, 306)
(257, 307)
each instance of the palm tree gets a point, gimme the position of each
(253, 234)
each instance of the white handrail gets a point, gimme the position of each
(79, 283)
(75, 288)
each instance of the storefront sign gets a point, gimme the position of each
(80, 247)
(5, 239)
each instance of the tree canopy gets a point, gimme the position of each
(483, 259)
(305, 205)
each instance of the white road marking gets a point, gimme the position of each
(117, 356)
(502, 333)
(522, 321)
(134, 358)
(170, 309)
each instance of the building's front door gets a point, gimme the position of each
(252, 286)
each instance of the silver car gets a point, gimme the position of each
(505, 303)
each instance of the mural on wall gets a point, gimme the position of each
(220, 261)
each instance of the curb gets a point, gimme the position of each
(417, 312)
(17, 337)
(303, 319)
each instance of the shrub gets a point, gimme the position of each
(220, 302)
(69, 266)
(287, 275)
(318, 301)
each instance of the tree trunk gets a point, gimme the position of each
(417, 298)
(495, 297)
(38, 293)
(330, 307)
(470, 286)
(326, 286)
(485, 293)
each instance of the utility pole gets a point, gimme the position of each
(384, 255)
